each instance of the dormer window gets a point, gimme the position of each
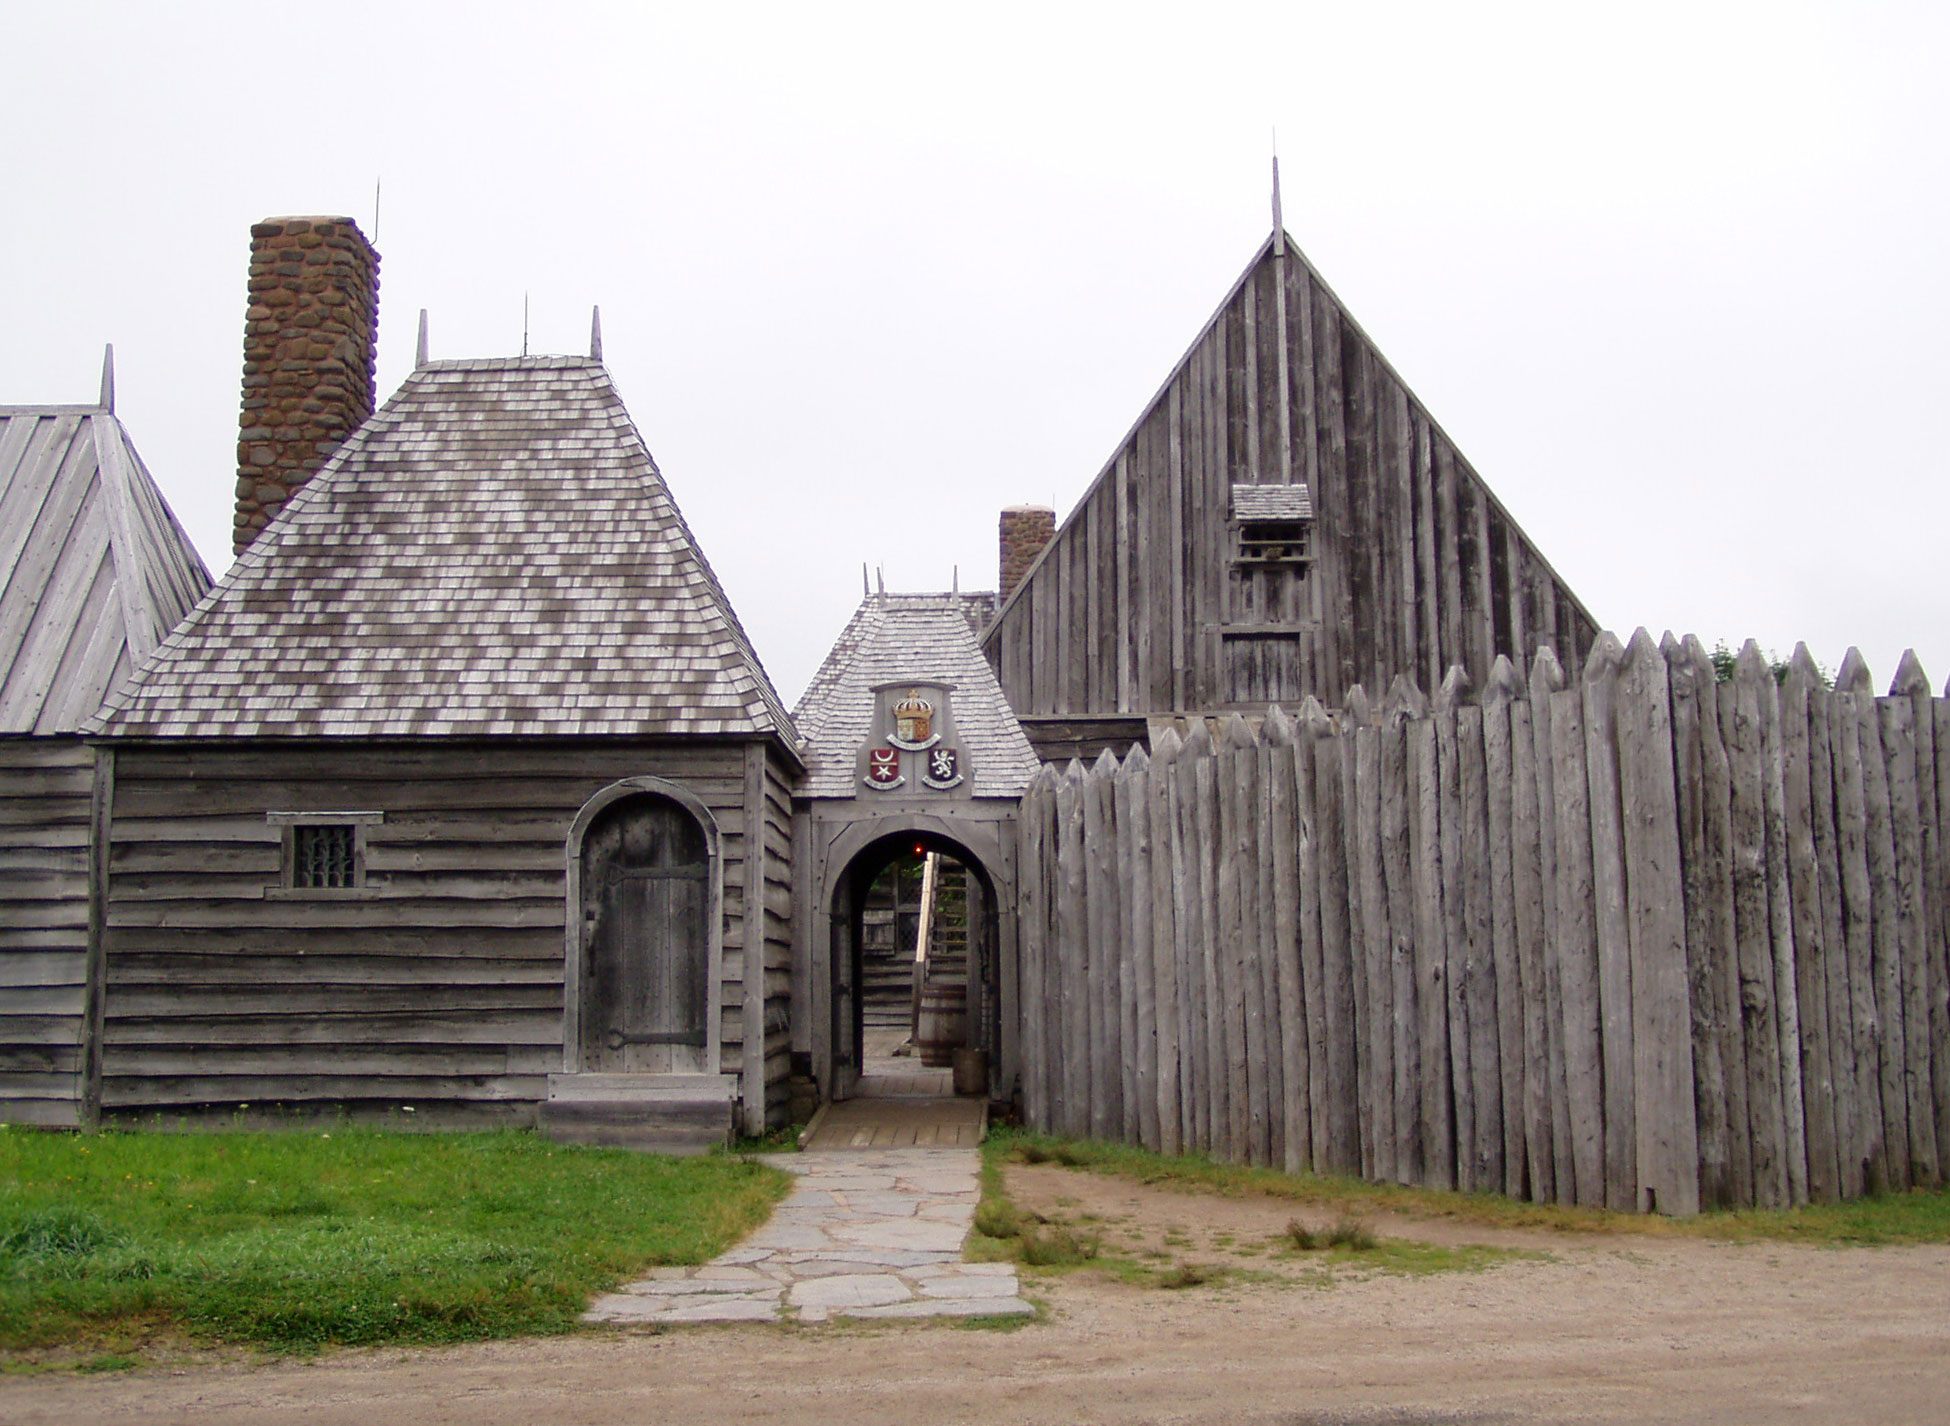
(1272, 525)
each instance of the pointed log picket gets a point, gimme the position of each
(1546, 679)
(1404, 703)
(1512, 993)
(1666, 1148)
(1164, 942)
(1653, 941)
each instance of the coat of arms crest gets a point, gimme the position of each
(883, 768)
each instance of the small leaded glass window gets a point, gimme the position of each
(324, 855)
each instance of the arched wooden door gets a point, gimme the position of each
(646, 879)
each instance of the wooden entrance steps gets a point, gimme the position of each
(653, 1113)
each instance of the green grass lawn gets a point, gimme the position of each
(1915, 1216)
(302, 1239)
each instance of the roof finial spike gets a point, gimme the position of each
(524, 324)
(108, 378)
(595, 333)
(420, 351)
(880, 577)
(1279, 221)
(954, 585)
(866, 585)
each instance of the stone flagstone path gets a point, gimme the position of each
(874, 1233)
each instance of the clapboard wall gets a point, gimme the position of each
(46, 791)
(1133, 607)
(439, 983)
(1646, 941)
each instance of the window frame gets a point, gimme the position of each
(287, 824)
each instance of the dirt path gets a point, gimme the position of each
(1631, 1329)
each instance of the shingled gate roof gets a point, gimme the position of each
(493, 552)
(94, 569)
(920, 636)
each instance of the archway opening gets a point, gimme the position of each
(915, 971)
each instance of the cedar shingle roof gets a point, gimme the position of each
(94, 569)
(493, 552)
(912, 636)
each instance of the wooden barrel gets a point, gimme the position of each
(943, 1024)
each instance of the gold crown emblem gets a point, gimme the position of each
(913, 706)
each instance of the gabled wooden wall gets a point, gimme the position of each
(1417, 565)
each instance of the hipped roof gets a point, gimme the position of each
(892, 637)
(94, 569)
(493, 553)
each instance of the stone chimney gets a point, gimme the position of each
(1025, 530)
(310, 338)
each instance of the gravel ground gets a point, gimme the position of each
(1603, 1329)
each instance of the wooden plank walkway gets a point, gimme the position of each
(872, 1123)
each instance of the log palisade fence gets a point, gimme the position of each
(1646, 941)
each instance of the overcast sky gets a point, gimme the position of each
(1673, 276)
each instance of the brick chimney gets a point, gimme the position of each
(1025, 530)
(310, 338)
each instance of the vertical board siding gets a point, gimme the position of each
(439, 983)
(1648, 940)
(1416, 566)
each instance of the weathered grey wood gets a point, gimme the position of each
(1283, 826)
(1513, 990)
(1238, 965)
(1613, 921)
(1528, 895)
(1072, 1077)
(1267, 924)
(1165, 880)
(1940, 894)
(1740, 722)
(1480, 990)
(1666, 1150)
(1405, 702)
(1450, 820)
(1887, 951)
(1825, 796)
(1354, 717)
(1218, 1115)
(1105, 1082)
(1377, 952)
(1342, 1150)
(1031, 941)
(1547, 678)
(1577, 949)
(1798, 783)
(1787, 1006)
(1691, 684)
(1852, 832)
(1140, 1026)
(1186, 891)
(1416, 565)
(1933, 880)
(1313, 975)
(1897, 717)
(1229, 1011)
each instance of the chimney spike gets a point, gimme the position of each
(108, 378)
(420, 351)
(1279, 221)
(595, 333)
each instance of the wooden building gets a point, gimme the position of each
(910, 747)
(94, 571)
(462, 790)
(1284, 519)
